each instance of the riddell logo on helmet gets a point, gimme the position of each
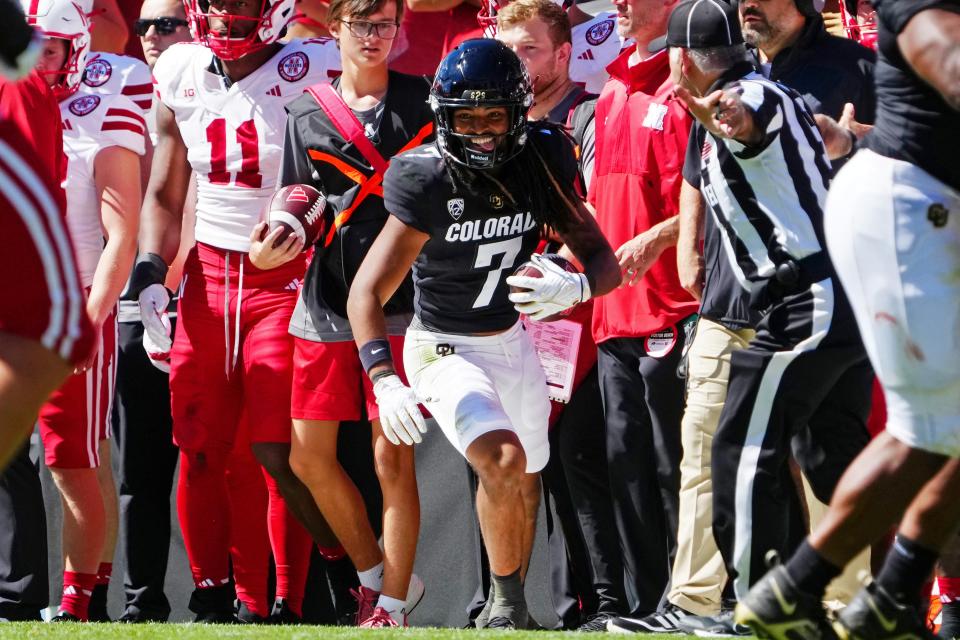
(297, 194)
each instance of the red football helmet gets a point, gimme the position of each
(487, 16)
(68, 21)
(272, 21)
(859, 21)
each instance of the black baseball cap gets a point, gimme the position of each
(700, 24)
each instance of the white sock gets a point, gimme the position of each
(394, 606)
(372, 578)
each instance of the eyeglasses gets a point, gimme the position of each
(164, 26)
(363, 28)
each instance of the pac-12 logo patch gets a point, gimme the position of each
(294, 66)
(598, 33)
(84, 105)
(455, 207)
(97, 73)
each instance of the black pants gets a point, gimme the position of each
(802, 386)
(143, 430)
(643, 400)
(24, 587)
(584, 552)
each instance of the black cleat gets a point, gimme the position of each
(875, 615)
(342, 578)
(777, 610)
(244, 615)
(595, 622)
(64, 616)
(213, 605)
(97, 611)
(283, 614)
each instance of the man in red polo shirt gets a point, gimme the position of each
(640, 329)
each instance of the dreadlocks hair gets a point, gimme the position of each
(529, 181)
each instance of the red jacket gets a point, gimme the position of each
(641, 139)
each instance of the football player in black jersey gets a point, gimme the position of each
(893, 229)
(465, 212)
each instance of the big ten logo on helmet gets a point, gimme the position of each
(97, 73)
(84, 105)
(598, 33)
(294, 66)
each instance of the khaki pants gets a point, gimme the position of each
(698, 572)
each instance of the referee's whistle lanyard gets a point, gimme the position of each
(230, 355)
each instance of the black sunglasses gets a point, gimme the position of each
(164, 26)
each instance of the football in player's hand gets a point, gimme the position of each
(531, 270)
(299, 209)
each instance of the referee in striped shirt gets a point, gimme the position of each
(764, 172)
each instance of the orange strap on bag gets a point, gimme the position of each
(350, 128)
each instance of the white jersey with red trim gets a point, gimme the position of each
(595, 45)
(91, 123)
(109, 73)
(234, 134)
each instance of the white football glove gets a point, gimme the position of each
(156, 325)
(400, 417)
(556, 291)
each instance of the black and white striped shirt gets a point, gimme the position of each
(767, 198)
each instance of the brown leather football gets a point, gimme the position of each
(299, 209)
(531, 270)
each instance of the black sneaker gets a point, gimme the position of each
(665, 621)
(213, 605)
(718, 626)
(777, 610)
(283, 614)
(64, 616)
(596, 622)
(500, 622)
(875, 615)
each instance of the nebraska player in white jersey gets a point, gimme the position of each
(102, 137)
(221, 115)
(594, 38)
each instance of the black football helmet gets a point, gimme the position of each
(481, 73)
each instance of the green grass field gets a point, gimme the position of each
(23, 630)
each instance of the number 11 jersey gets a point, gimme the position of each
(234, 131)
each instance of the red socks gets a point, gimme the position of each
(291, 549)
(77, 589)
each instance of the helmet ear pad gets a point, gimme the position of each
(481, 73)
